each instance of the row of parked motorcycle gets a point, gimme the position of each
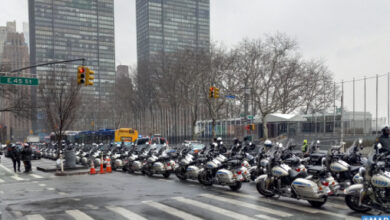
(277, 169)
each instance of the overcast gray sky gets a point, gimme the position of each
(351, 36)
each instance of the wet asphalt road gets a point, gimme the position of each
(119, 195)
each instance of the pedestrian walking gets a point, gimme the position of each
(15, 156)
(26, 157)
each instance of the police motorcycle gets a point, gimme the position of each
(137, 159)
(219, 170)
(372, 184)
(339, 165)
(282, 180)
(77, 152)
(315, 154)
(85, 153)
(159, 161)
(262, 160)
(118, 157)
(189, 165)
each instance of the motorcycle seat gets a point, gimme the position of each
(234, 162)
(355, 168)
(316, 170)
(201, 159)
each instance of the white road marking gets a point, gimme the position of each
(171, 210)
(291, 206)
(248, 205)
(1, 192)
(266, 217)
(76, 199)
(17, 214)
(63, 193)
(42, 184)
(91, 206)
(212, 208)
(78, 215)
(36, 176)
(338, 206)
(50, 189)
(1, 181)
(17, 178)
(35, 217)
(125, 213)
(5, 168)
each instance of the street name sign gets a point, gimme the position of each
(19, 81)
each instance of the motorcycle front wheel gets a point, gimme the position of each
(166, 175)
(180, 174)
(317, 204)
(352, 202)
(236, 186)
(260, 186)
(205, 179)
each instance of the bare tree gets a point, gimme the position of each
(60, 100)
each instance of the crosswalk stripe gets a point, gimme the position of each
(35, 217)
(1, 181)
(125, 213)
(42, 184)
(265, 217)
(17, 178)
(212, 208)
(5, 168)
(36, 176)
(78, 215)
(339, 206)
(50, 189)
(172, 211)
(247, 205)
(291, 206)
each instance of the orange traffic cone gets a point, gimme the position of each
(92, 171)
(101, 166)
(108, 165)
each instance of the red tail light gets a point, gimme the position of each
(298, 169)
(243, 165)
(239, 172)
(168, 164)
(325, 183)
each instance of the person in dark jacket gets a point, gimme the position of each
(26, 157)
(384, 139)
(15, 156)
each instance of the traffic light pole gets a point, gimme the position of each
(47, 64)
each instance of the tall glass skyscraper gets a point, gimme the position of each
(71, 29)
(165, 26)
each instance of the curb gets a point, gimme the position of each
(71, 174)
(55, 169)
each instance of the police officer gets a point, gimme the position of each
(305, 147)
(221, 148)
(384, 139)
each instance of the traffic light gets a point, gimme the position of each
(211, 92)
(89, 77)
(80, 75)
(216, 92)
